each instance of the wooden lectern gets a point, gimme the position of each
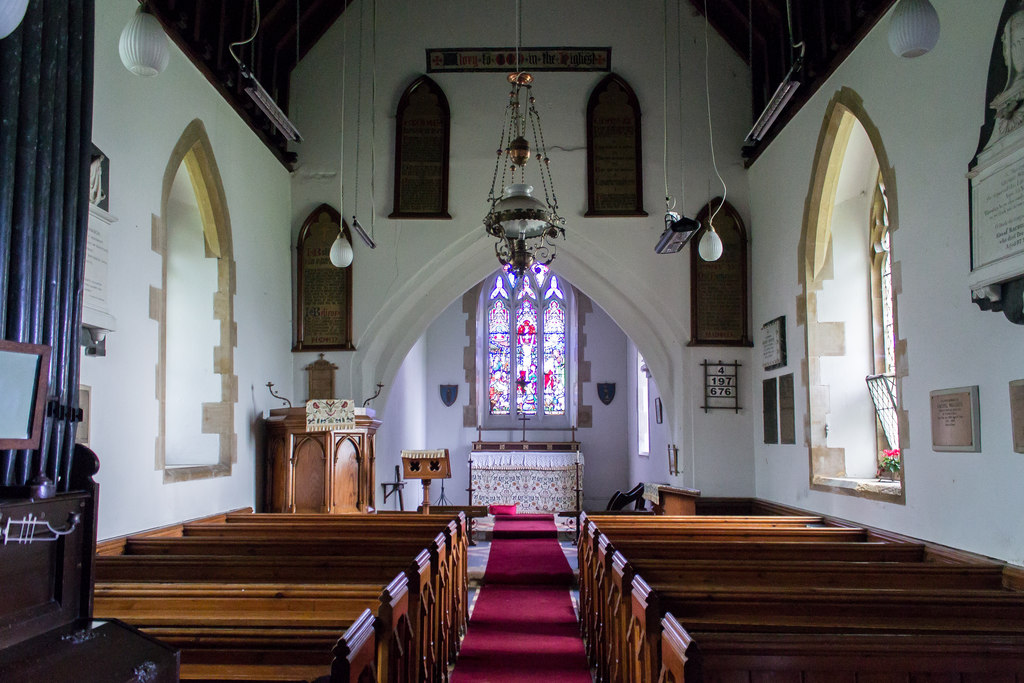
(426, 465)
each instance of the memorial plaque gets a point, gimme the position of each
(324, 310)
(1017, 414)
(770, 411)
(422, 127)
(614, 161)
(996, 173)
(718, 289)
(787, 410)
(956, 420)
(773, 343)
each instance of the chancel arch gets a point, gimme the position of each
(196, 434)
(840, 247)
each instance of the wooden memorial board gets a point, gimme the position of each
(615, 184)
(321, 378)
(422, 130)
(1017, 414)
(770, 410)
(323, 314)
(956, 423)
(787, 410)
(719, 305)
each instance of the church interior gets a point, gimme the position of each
(836, 346)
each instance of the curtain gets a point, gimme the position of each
(46, 79)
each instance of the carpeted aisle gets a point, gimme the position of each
(523, 626)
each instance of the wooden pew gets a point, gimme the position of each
(374, 557)
(819, 658)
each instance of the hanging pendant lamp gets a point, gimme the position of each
(710, 246)
(143, 45)
(11, 14)
(341, 252)
(914, 28)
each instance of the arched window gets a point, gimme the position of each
(528, 332)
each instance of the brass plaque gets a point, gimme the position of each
(771, 411)
(1017, 414)
(787, 410)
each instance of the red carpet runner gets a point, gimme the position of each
(523, 626)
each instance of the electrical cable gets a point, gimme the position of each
(711, 132)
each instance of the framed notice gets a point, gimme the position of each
(1017, 414)
(615, 185)
(773, 343)
(323, 314)
(422, 129)
(718, 289)
(721, 386)
(770, 410)
(956, 420)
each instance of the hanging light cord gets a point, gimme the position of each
(789, 23)
(519, 30)
(255, 30)
(359, 114)
(341, 160)
(679, 88)
(373, 115)
(711, 132)
(664, 105)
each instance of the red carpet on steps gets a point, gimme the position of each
(523, 626)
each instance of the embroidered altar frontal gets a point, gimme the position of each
(536, 482)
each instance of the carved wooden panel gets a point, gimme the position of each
(615, 184)
(309, 474)
(346, 475)
(422, 130)
(323, 313)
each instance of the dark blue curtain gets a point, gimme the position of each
(46, 67)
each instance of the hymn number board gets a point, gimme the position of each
(721, 386)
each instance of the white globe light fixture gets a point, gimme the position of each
(143, 45)
(913, 29)
(11, 14)
(710, 246)
(341, 252)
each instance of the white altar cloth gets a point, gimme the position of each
(534, 481)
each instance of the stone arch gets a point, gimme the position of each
(194, 150)
(826, 338)
(409, 311)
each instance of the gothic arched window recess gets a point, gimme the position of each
(527, 332)
(882, 384)
(422, 131)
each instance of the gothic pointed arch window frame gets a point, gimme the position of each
(524, 319)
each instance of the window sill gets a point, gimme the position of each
(867, 488)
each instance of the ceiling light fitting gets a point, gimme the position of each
(914, 28)
(524, 225)
(678, 231)
(784, 93)
(257, 92)
(11, 14)
(143, 44)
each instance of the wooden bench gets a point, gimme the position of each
(303, 556)
(822, 658)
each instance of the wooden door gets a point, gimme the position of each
(309, 468)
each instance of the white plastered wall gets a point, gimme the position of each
(928, 112)
(136, 123)
(419, 267)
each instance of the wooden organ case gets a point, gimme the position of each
(324, 471)
(47, 633)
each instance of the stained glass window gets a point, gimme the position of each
(532, 313)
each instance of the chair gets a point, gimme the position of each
(620, 500)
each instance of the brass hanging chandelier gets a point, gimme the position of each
(525, 225)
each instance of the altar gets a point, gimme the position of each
(535, 476)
